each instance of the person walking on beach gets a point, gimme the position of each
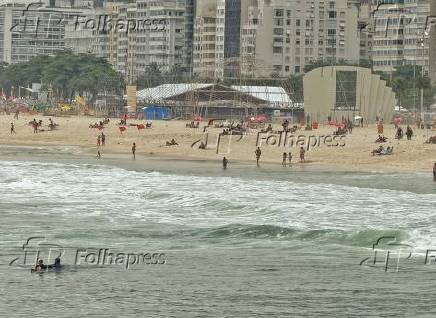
(103, 139)
(284, 159)
(98, 141)
(16, 114)
(409, 133)
(225, 162)
(434, 172)
(290, 158)
(35, 126)
(134, 151)
(302, 152)
(12, 129)
(258, 153)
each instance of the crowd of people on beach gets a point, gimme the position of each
(241, 127)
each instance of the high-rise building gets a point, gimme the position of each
(272, 37)
(208, 49)
(282, 36)
(365, 27)
(399, 34)
(156, 32)
(29, 28)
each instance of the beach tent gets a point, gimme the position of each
(157, 113)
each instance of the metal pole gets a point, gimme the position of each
(414, 81)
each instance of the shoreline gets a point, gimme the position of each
(73, 135)
(84, 155)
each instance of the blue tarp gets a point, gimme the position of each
(157, 113)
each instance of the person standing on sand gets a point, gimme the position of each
(16, 114)
(12, 129)
(284, 159)
(98, 141)
(434, 172)
(35, 126)
(258, 153)
(103, 139)
(290, 158)
(225, 162)
(302, 152)
(134, 151)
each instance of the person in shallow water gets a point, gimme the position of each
(284, 159)
(258, 153)
(57, 263)
(225, 162)
(40, 266)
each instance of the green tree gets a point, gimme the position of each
(65, 75)
(296, 85)
(400, 86)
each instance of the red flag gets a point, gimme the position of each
(122, 128)
(140, 126)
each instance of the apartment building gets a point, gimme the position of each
(365, 27)
(399, 34)
(29, 28)
(208, 49)
(138, 34)
(282, 36)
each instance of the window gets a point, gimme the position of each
(277, 50)
(279, 13)
(332, 14)
(278, 22)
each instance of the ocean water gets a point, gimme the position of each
(244, 242)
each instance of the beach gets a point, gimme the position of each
(354, 153)
(295, 241)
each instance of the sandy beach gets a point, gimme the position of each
(74, 131)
